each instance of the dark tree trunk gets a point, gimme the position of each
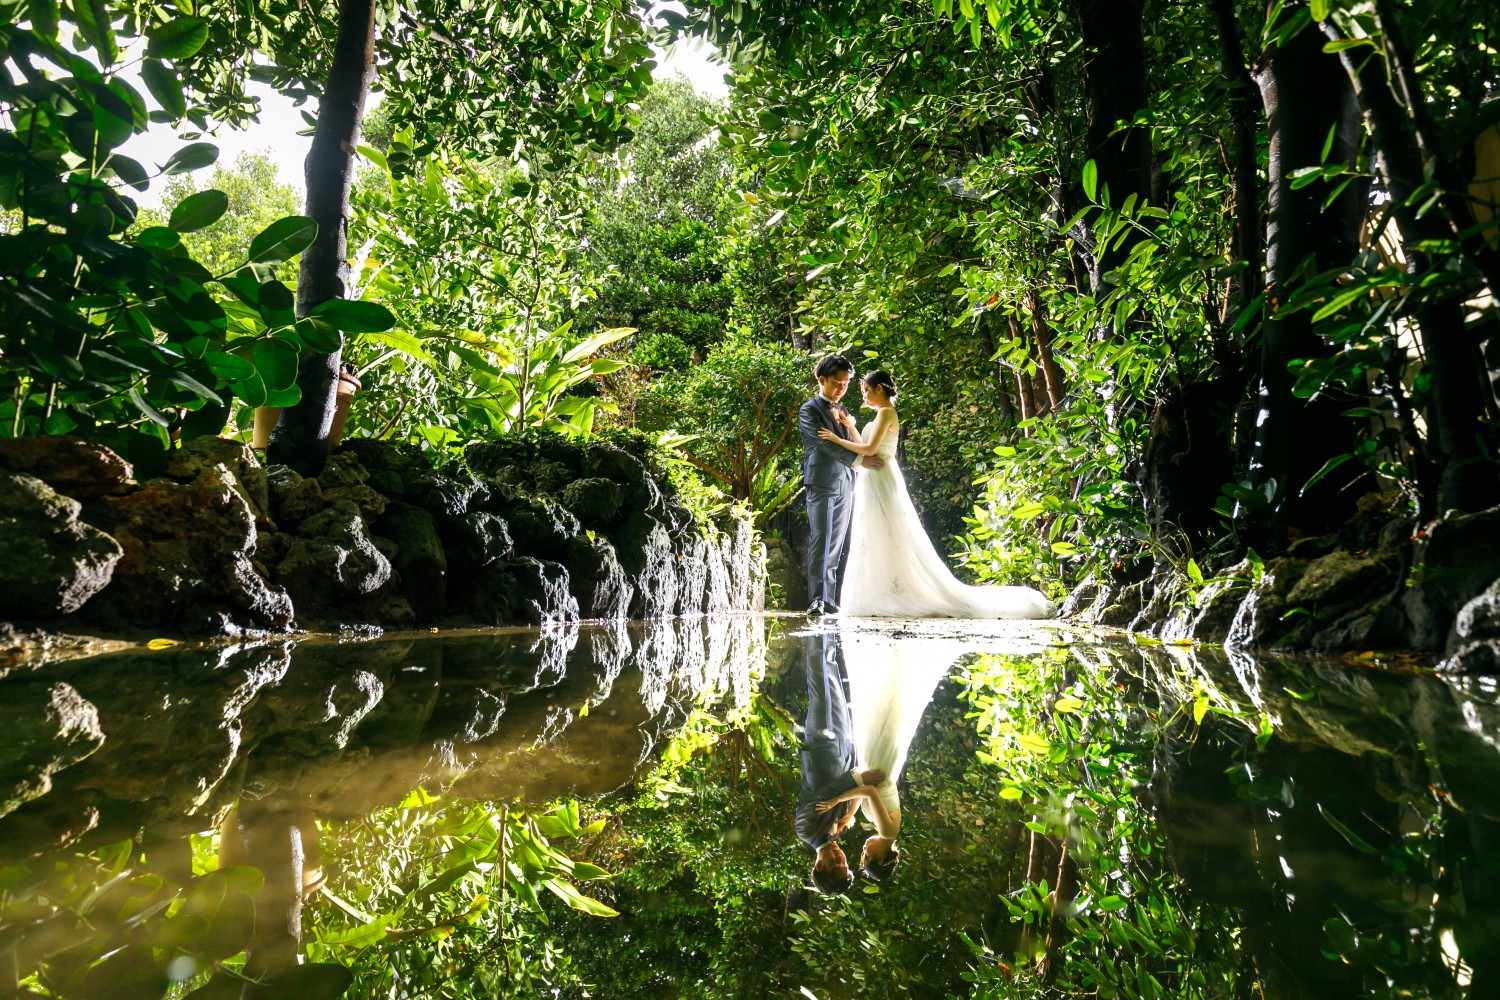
(1114, 52)
(1246, 112)
(1469, 478)
(1307, 98)
(301, 438)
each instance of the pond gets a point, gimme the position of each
(626, 811)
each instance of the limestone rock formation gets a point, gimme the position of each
(54, 562)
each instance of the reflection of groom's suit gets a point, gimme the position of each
(828, 474)
(827, 742)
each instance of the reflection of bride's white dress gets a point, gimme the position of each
(895, 572)
(890, 683)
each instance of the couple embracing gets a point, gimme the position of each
(857, 499)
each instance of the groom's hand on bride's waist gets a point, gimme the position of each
(873, 462)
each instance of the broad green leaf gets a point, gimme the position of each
(229, 367)
(166, 86)
(43, 17)
(276, 363)
(158, 238)
(1033, 742)
(177, 39)
(94, 24)
(319, 335)
(283, 239)
(193, 156)
(355, 315)
(199, 210)
(577, 900)
(1090, 180)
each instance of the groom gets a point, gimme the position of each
(827, 472)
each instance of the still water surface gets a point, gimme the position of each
(630, 811)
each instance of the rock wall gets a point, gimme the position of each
(527, 530)
(1434, 590)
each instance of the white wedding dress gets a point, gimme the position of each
(890, 683)
(893, 569)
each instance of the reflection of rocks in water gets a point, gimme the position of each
(1371, 788)
(170, 739)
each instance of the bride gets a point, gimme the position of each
(893, 570)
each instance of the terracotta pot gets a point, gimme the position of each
(266, 417)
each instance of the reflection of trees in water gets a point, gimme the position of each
(1122, 814)
(405, 887)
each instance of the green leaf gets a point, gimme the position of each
(229, 367)
(283, 239)
(158, 238)
(193, 156)
(1090, 180)
(577, 900)
(275, 363)
(166, 86)
(150, 412)
(319, 334)
(191, 384)
(1355, 840)
(93, 23)
(177, 39)
(1033, 742)
(355, 315)
(197, 211)
(44, 17)
(1320, 9)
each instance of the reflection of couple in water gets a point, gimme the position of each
(855, 742)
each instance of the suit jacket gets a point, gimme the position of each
(824, 464)
(827, 742)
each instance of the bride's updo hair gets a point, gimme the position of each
(877, 870)
(880, 378)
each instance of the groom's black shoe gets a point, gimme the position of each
(829, 608)
(816, 609)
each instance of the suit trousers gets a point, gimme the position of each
(828, 511)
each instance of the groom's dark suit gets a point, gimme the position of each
(828, 474)
(827, 742)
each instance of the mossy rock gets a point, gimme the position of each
(595, 501)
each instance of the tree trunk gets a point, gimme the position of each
(1114, 52)
(1246, 112)
(1307, 100)
(301, 439)
(1056, 383)
(1469, 479)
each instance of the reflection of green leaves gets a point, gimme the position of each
(314, 981)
